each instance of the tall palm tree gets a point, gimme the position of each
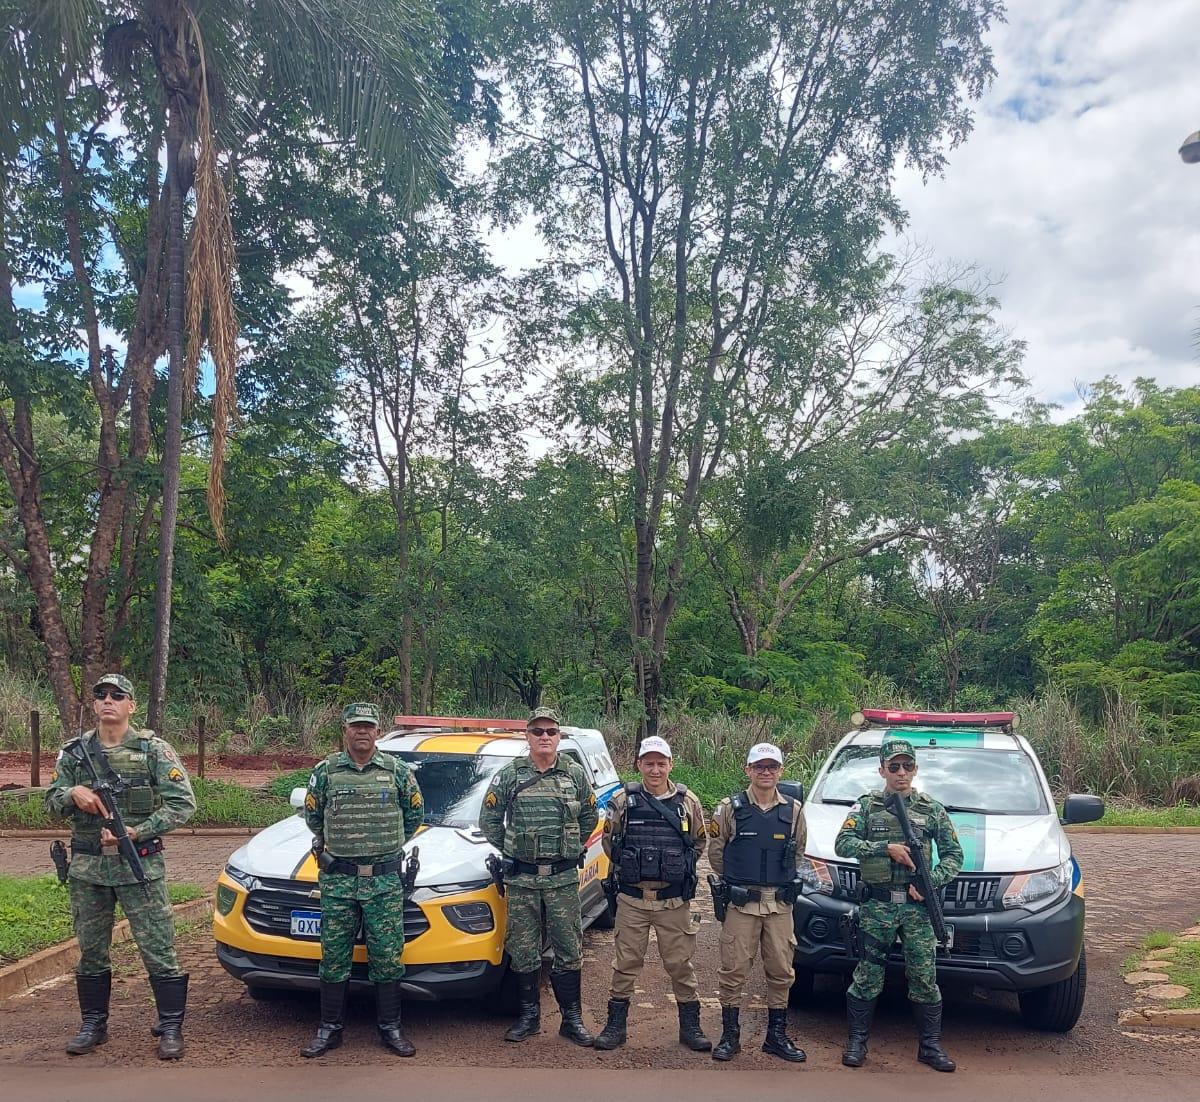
(364, 69)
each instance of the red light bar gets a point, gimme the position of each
(457, 723)
(884, 717)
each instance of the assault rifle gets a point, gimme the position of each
(108, 790)
(924, 880)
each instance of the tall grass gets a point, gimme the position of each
(18, 696)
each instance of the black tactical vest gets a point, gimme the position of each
(653, 849)
(762, 850)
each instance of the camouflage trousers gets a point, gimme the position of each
(374, 903)
(150, 920)
(880, 922)
(537, 915)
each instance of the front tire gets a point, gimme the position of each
(1056, 1007)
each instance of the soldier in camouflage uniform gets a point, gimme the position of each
(154, 796)
(540, 811)
(872, 836)
(362, 805)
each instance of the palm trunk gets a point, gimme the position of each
(173, 436)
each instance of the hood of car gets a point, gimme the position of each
(990, 843)
(448, 855)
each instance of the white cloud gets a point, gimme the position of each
(1071, 190)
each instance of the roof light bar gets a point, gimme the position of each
(886, 717)
(460, 723)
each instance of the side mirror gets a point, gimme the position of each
(296, 799)
(795, 789)
(1082, 808)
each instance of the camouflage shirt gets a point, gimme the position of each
(540, 817)
(158, 776)
(868, 831)
(407, 803)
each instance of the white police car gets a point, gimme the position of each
(1016, 909)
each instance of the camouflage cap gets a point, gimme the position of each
(543, 713)
(361, 712)
(117, 681)
(894, 747)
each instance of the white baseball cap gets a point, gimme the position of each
(764, 751)
(655, 745)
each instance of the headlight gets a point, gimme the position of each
(1031, 888)
(815, 876)
(471, 918)
(245, 879)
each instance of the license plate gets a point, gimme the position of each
(306, 924)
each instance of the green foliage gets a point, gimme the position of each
(35, 913)
(219, 803)
(281, 786)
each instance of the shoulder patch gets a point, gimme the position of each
(54, 776)
(174, 774)
(490, 799)
(310, 802)
(312, 779)
(850, 824)
(591, 800)
(713, 828)
(415, 800)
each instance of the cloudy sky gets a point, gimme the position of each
(1070, 191)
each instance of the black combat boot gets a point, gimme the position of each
(777, 1042)
(690, 1033)
(566, 990)
(93, 992)
(387, 1005)
(613, 1033)
(859, 1013)
(730, 1043)
(170, 996)
(930, 1051)
(329, 1032)
(529, 999)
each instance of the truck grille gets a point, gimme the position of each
(270, 912)
(964, 894)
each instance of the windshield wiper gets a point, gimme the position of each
(968, 810)
(844, 803)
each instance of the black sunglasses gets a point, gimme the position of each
(114, 694)
(544, 730)
(907, 766)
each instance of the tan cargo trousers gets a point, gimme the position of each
(675, 929)
(743, 936)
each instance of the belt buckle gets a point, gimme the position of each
(544, 870)
(898, 896)
(365, 870)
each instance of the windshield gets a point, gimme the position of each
(453, 785)
(1000, 782)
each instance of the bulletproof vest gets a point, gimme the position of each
(542, 819)
(883, 826)
(652, 848)
(762, 850)
(363, 817)
(133, 772)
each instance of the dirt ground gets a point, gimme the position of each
(1134, 886)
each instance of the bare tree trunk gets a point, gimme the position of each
(173, 435)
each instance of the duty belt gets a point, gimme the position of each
(652, 894)
(889, 895)
(94, 849)
(522, 868)
(329, 863)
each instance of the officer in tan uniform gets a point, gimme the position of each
(654, 835)
(757, 840)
